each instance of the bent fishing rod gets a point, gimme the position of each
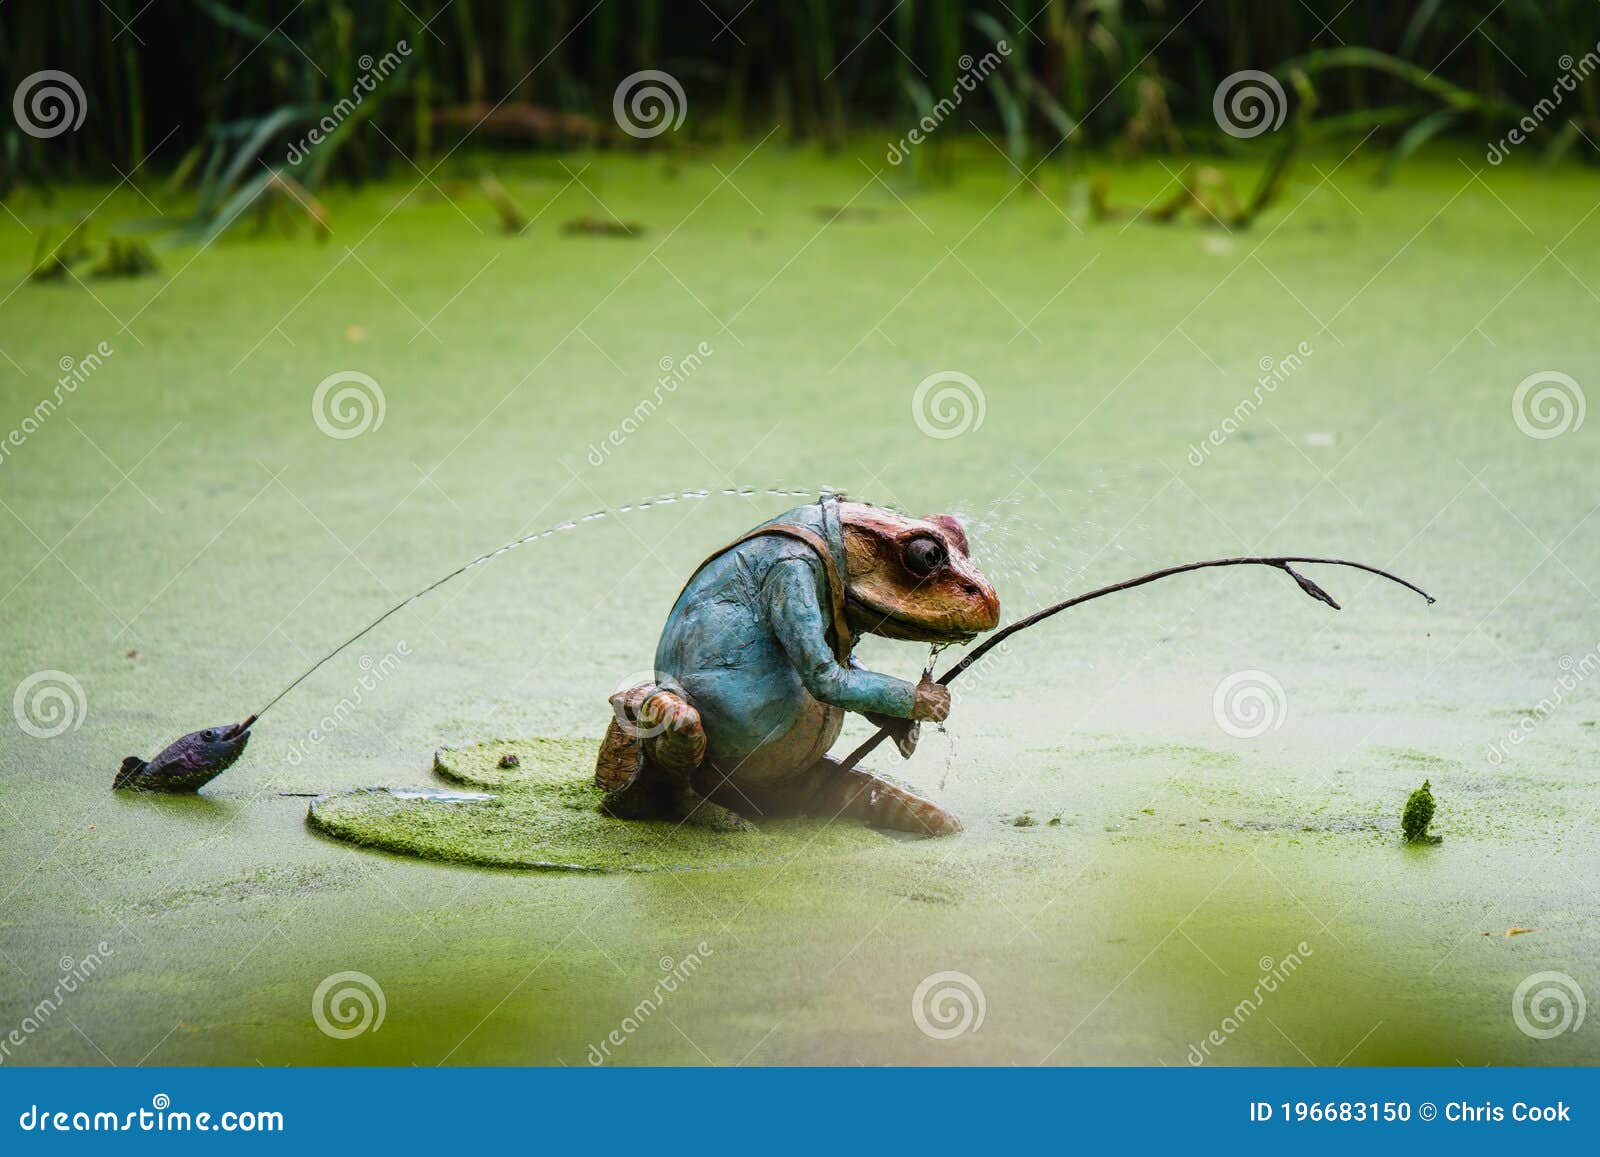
(1281, 562)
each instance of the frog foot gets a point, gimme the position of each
(655, 736)
(696, 810)
(674, 735)
(648, 759)
(868, 797)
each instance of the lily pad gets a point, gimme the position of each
(552, 762)
(544, 814)
(433, 794)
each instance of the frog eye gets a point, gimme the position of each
(923, 556)
(209, 734)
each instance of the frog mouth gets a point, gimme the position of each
(878, 621)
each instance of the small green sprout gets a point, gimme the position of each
(1418, 815)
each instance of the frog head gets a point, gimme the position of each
(911, 578)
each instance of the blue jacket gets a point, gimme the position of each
(748, 644)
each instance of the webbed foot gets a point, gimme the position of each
(882, 804)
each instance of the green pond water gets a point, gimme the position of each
(182, 539)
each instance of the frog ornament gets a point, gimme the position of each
(754, 671)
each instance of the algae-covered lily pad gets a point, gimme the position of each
(534, 762)
(541, 811)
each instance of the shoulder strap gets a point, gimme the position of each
(843, 641)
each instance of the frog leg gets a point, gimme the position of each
(865, 796)
(653, 747)
(676, 743)
(674, 738)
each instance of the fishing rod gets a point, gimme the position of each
(1282, 562)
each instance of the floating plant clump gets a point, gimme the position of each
(1418, 815)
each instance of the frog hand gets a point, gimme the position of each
(904, 732)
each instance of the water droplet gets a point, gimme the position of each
(949, 755)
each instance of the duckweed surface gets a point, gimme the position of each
(544, 814)
(244, 540)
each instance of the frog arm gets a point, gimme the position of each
(789, 595)
(904, 732)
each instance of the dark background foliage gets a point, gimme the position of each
(175, 76)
